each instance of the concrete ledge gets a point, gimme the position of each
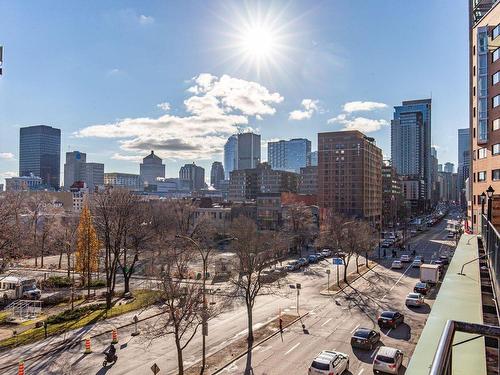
(459, 298)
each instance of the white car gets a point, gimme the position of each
(405, 258)
(326, 252)
(417, 263)
(329, 362)
(414, 299)
(387, 361)
(397, 264)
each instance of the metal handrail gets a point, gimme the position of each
(441, 364)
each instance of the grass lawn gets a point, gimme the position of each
(142, 298)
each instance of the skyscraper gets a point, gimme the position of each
(75, 160)
(216, 174)
(93, 175)
(248, 151)
(151, 168)
(449, 167)
(289, 155)
(350, 175)
(463, 163)
(411, 149)
(230, 155)
(194, 175)
(40, 153)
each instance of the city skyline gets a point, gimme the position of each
(323, 90)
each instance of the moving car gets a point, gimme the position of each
(397, 264)
(329, 362)
(416, 263)
(388, 360)
(312, 259)
(421, 257)
(414, 299)
(444, 259)
(292, 266)
(405, 258)
(390, 319)
(365, 338)
(326, 252)
(303, 262)
(421, 288)
(451, 235)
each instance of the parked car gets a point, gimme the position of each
(326, 252)
(340, 254)
(292, 266)
(390, 319)
(416, 263)
(388, 360)
(329, 362)
(420, 257)
(405, 258)
(450, 235)
(312, 259)
(421, 288)
(320, 256)
(386, 244)
(396, 264)
(365, 338)
(414, 299)
(303, 262)
(444, 259)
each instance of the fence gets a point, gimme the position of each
(491, 243)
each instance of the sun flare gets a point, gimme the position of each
(258, 42)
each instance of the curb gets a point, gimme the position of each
(329, 294)
(259, 343)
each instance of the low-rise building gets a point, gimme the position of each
(23, 183)
(123, 180)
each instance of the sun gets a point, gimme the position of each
(258, 42)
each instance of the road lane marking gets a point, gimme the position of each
(400, 277)
(389, 331)
(355, 328)
(373, 353)
(361, 371)
(325, 322)
(292, 348)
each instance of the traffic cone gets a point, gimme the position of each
(87, 346)
(21, 368)
(114, 337)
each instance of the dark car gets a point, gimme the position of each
(390, 319)
(444, 259)
(320, 256)
(365, 338)
(312, 259)
(421, 288)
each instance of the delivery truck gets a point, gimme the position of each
(429, 273)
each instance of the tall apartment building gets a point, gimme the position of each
(448, 191)
(248, 151)
(123, 180)
(40, 153)
(463, 163)
(308, 183)
(230, 155)
(194, 174)
(289, 155)
(392, 197)
(484, 106)
(434, 177)
(216, 174)
(151, 168)
(411, 150)
(350, 175)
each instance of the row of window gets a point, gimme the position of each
(483, 152)
(481, 176)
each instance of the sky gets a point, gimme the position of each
(121, 78)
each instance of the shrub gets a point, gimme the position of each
(97, 283)
(58, 282)
(74, 314)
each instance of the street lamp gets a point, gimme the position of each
(489, 193)
(483, 201)
(204, 257)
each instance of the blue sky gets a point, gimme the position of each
(122, 77)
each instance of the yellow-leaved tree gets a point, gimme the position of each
(87, 247)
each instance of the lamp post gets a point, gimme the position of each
(483, 201)
(489, 193)
(204, 316)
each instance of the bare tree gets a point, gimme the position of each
(254, 254)
(298, 224)
(11, 205)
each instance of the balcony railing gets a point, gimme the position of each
(491, 243)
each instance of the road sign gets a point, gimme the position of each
(337, 261)
(155, 368)
(327, 272)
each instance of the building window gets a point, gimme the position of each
(482, 86)
(496, 78)
(495, 32)
(481, 176)
(481, 153)
(495, 149)
(496, 101)
(496, 54)
(495, 174)
(496, 124)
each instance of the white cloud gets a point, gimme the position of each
(363, 124)
(146, 20)
(310, 107)
(164, 106)
(8, 174)
(133, 158)
(6, 155)
(221, 107)
(113, 72)
(359, 106)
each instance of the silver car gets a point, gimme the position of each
(329, 362)
(388, 361)
(414, 299)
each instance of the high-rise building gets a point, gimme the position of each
(392, 197)
(449, 167)
(93, 175)
(289, 155)
(463, 163)
(40, 153)
(308, 183)
(411, 149)
(313, 158)
(434, 177)
(151, 168)
(484, 106)
(248, 151)
(230, 155)
(194, 174)
(216, 174)
(75, 160)
(447, 186)
(350, 175)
